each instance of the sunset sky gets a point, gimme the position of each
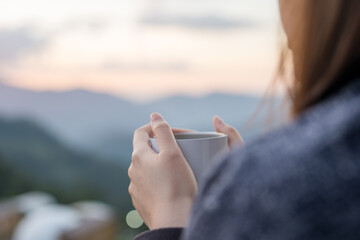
(139, 49)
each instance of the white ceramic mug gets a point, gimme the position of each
(200, 149)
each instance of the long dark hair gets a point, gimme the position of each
(326, 51)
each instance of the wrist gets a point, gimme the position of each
(171, 215)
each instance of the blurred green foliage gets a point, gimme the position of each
(32, 159)
(11, 183)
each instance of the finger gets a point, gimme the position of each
(141, 137)
(132, 193)
(181, 130)
(234, 138)
(163, 133)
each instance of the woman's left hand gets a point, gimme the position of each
(162, 185)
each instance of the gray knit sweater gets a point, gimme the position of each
(298, 182)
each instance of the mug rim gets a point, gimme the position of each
(212, 135)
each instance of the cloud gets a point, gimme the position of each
(15, 43)
(92, 23)
(144, 66)
(208, 22)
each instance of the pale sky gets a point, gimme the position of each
(140, 49)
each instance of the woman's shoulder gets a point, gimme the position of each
(333, 122)
(330, 128)
(288, 179)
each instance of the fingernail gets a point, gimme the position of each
(156, 117)
(219, 121)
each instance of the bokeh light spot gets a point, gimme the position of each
(133, 219)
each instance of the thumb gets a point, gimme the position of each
(234, 138)
(162, 132)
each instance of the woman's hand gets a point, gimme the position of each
(162, 185)
(234, 138)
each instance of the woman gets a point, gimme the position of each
(299, 182)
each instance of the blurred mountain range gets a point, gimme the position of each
(103, 124)
(77, 145)
(32, 159)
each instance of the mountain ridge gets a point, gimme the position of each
(103, 123)
(46, 164)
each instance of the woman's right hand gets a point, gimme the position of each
(163, 186)
(234, 138)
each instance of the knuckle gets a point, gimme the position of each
(232, 130)
(162, 125)
(130, 190)
(130, 171)
(137, 131)
(136, 155)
